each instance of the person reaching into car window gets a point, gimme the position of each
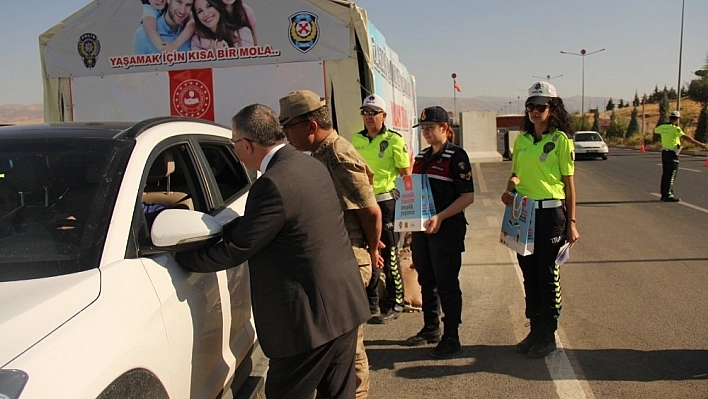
(308, 299)
(671, 137)
(542, 170)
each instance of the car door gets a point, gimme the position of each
(196, 307)
(228, 183)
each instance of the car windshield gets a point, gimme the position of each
(56, 198)
(587, 137)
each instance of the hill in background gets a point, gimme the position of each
(24, 114)
(21, 114)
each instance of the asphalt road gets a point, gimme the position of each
(635, 295)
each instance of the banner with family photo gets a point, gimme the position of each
(132, 36)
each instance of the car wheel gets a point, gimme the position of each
(604, 157)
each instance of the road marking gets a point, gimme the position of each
(480, 178)
(566, 378)
(687, 169)
(698, 208)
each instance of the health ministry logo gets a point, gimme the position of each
(304, 31)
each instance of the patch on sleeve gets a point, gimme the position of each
(465, 170)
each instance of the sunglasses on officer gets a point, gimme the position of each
(540, 108)
(369, 112)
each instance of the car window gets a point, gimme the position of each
(56, 200)
(229, 174)
(170, 181)
(587, 137)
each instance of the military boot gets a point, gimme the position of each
(430, 334)
(527, 343)
(545, 342)
(448, 346)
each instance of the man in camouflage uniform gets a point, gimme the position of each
(307, 123)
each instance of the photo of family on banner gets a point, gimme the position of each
(517, 225)
(415, 203)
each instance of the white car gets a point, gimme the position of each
(90, 306)
(590, 144)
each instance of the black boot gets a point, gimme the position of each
(448, 346)
(527, 343)
(545, 342)
(430, 334)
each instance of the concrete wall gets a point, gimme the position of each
(479, 135)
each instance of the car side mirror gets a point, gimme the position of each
(182, 230)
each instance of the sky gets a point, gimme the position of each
(496, 47)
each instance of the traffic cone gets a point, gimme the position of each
(641, 149)
(706, 165)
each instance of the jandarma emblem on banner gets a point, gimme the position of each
(88, 48)
(304, 31)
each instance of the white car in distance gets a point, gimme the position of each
(590, 144)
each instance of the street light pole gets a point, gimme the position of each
(454, 98)
(678, 97)
(582, 54)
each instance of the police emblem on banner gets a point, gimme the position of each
(88, 48)
(304, 31)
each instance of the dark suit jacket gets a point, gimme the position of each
(305, 281)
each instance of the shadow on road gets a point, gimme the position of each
(594, 203)
(598, 364)
(637, 261)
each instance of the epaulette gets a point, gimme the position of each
(394, 132)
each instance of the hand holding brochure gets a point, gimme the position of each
(415, 203)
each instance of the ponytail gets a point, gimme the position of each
(450, 134)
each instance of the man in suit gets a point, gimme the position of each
(308, 301)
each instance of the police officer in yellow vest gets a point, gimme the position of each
(671, 137)
(386, 153)
(542, 169)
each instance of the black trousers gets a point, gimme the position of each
(669, 168)
(392, 269)
(437, 259)
(329, 369)
(541, 277)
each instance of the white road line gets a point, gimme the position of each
(564, 376)
(480, 178)
(687, 169)
(698, 208)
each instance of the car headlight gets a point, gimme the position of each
(12, 382)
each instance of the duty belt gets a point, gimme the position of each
(548, 204)
(384, 197)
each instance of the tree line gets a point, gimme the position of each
(697, 90)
